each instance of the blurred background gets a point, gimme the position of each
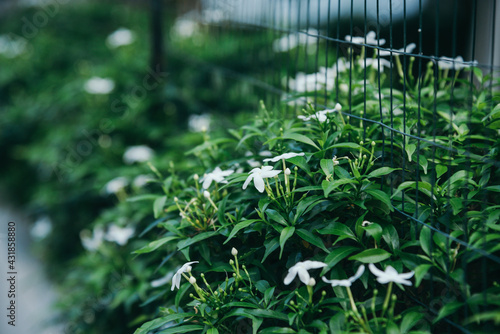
(81, 82)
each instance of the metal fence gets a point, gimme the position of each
(384, 60)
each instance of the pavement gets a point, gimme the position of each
(32, 295)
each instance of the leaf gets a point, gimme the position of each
(381, 196)
(440, 170)
(374, 230)
(213, 331)
(307, 204)
(277, 330)
(327, 167)
(202, 236)
(158, 205)
(337, 228)
(285, 235)
(329, 186)
(410, 148)
(426, 240)
(182, 329)
(275, 216)
(312, 239)
(382, 171)
(239, 227)
(373, 255)
(301, 163)
(447, 309)
(300, 138)
(337, 255)
(391, 237)
(410, 320)
(271, 245)
(155, 245)
(157, 323)
(420, 272)
(423, 163)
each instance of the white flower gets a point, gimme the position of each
(199, 123)
(184, 28)
(216, 175)
(41, 228)
(12, 47)
(92, 241)
(345, 282)
(284, 156)
(291, 41)
(120, 37)
(120, 235)
(391, 275)
(320, 115)
(139, 153)
(115, 185)
(96, 85)
(374, 63)
(370, 39)
(341, 65)
(458, 63)
(365, 223)
(301, 268)
(176, 280)
(162, 281)
(409, 49)
(258, 175)
(141, 180)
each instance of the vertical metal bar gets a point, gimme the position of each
(157, 59)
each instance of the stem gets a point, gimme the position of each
(387, 297)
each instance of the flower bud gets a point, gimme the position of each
(338, 107)
(231, 262)
(373, 143)
(312, 282)
(192, 280)
(206, 194)
(176, 199)
(287, 171)
(188, 269)
(366, 223)
(234, 251)
(196, 177)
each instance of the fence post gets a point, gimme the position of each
(157, 57)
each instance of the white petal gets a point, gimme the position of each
(271, 173)
(247, 181)
(259, 183)
(303, 275)
(358, 273)
(407, 275)
(292, 272)
(176, 281)
(207, 181)
(375, 271)
(313, 264)
(266, 169)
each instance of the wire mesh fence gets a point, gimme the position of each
(418, 77)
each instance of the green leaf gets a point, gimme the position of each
(301, 163)
(202, 236)
(276, 216)
(426, 240)
(337, 228)
(423, 163)
(329, 186)
(240, 226)
(277, 330)
(312, 239)
(271, 245)
(410, 320)
(374, 230)
(285, 235)
(144, 197)
(373, 255)
(182, 329)
(440, 170)
(158, 205)
(410, 149)
(382, 171)
(381, 196)
(307, 204)
(213, 331)
(300, 138)
(157, 323)
(337, 255)
(447, 309)
(327, 167)
(420, 272)
(391, 237)
(155, 245)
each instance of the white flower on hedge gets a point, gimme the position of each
(258, 175)
(122, 36)
(199, 123)
(301, 268)
(284, 156)
(320, 115)
(216, 175)
(96, 85)
(162, 281)
(371, 39)
(120, 235)
(409, 49)
(176, 280)
(374, 63)
(141, 180)
(11, 46)
(41, 228)
(138, 153)
(458, 63)
(92, 241)
(391, 275)
(115, 185)
(345, 282)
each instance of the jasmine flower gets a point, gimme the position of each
(301, 268)
(391, 275)
(369, 39)
(139, 153)
(120, 37)
(120, 235)
(284, 156)
(216, 175)
(258, 175)
(345, 282)
(92, 241)
(176, 280)
(409, 49)
(115, 185)
(96, 85)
